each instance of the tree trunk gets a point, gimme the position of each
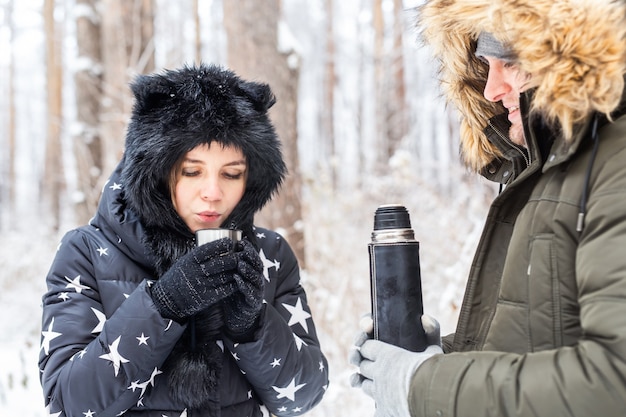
(7, 195)
(252, 33)
(328, 107)
(127, 49)
(197, 32)
(379, 83)
(116, 45)
(52, 182)
(88, 80)
(391, 120)
(396, 120)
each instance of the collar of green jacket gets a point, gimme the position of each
(574, 51)
(515, 158)
(546, 148)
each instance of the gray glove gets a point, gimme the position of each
(429, 324)
(385, 371)
(242, 310)
(197, 280)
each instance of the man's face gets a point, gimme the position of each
(505, 83)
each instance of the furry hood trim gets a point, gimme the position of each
(575, 51)
(177, 110)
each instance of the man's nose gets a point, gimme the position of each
(496, 87)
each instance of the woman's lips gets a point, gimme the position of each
(208, 217)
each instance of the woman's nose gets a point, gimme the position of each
(211, 190)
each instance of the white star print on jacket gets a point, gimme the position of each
(103, 343)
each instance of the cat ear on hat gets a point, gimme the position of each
(259, 94)
(151, 92)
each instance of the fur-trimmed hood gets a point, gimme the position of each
(177, 110)
(575, 51)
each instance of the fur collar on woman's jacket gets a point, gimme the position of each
(574, 50)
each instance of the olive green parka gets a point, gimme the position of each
(542, 328)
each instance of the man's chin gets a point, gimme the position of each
(516, 135)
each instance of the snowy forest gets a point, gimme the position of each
(358, 110)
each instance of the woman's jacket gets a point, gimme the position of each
(104, 343)
(106, 351)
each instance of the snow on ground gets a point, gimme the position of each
(337, 229)
(24, 262)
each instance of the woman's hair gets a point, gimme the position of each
(174, 176)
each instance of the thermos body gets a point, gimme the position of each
(396, 287)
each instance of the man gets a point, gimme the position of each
(539, 86)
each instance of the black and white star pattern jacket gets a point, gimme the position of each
(104, 343)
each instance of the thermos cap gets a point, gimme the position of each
(391, 216)
(392, 225)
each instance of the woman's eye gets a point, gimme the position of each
(233, 176)
(190, 172)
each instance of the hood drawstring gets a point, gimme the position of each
(583, 199)
(192, 334)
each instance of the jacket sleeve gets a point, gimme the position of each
(90, 363)
(285, 364)
(446, 343)
(584, 379)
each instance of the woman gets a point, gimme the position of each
(137, 319)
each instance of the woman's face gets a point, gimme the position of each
(209, 183)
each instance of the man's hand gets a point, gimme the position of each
(385, 371)
(429, 324)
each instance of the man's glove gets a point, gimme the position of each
(196, 281)
(429, 324)
(242, 310)
(385, 371)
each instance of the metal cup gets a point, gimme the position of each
(209, 235)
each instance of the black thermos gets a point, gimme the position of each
(396, 286)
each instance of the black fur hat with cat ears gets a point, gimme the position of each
(177, 110)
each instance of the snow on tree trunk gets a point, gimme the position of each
(252, 29)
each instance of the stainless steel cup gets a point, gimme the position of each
(209, 235)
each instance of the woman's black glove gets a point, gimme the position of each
(242, 310)
(197, 280)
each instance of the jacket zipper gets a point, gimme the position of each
(464, 313)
